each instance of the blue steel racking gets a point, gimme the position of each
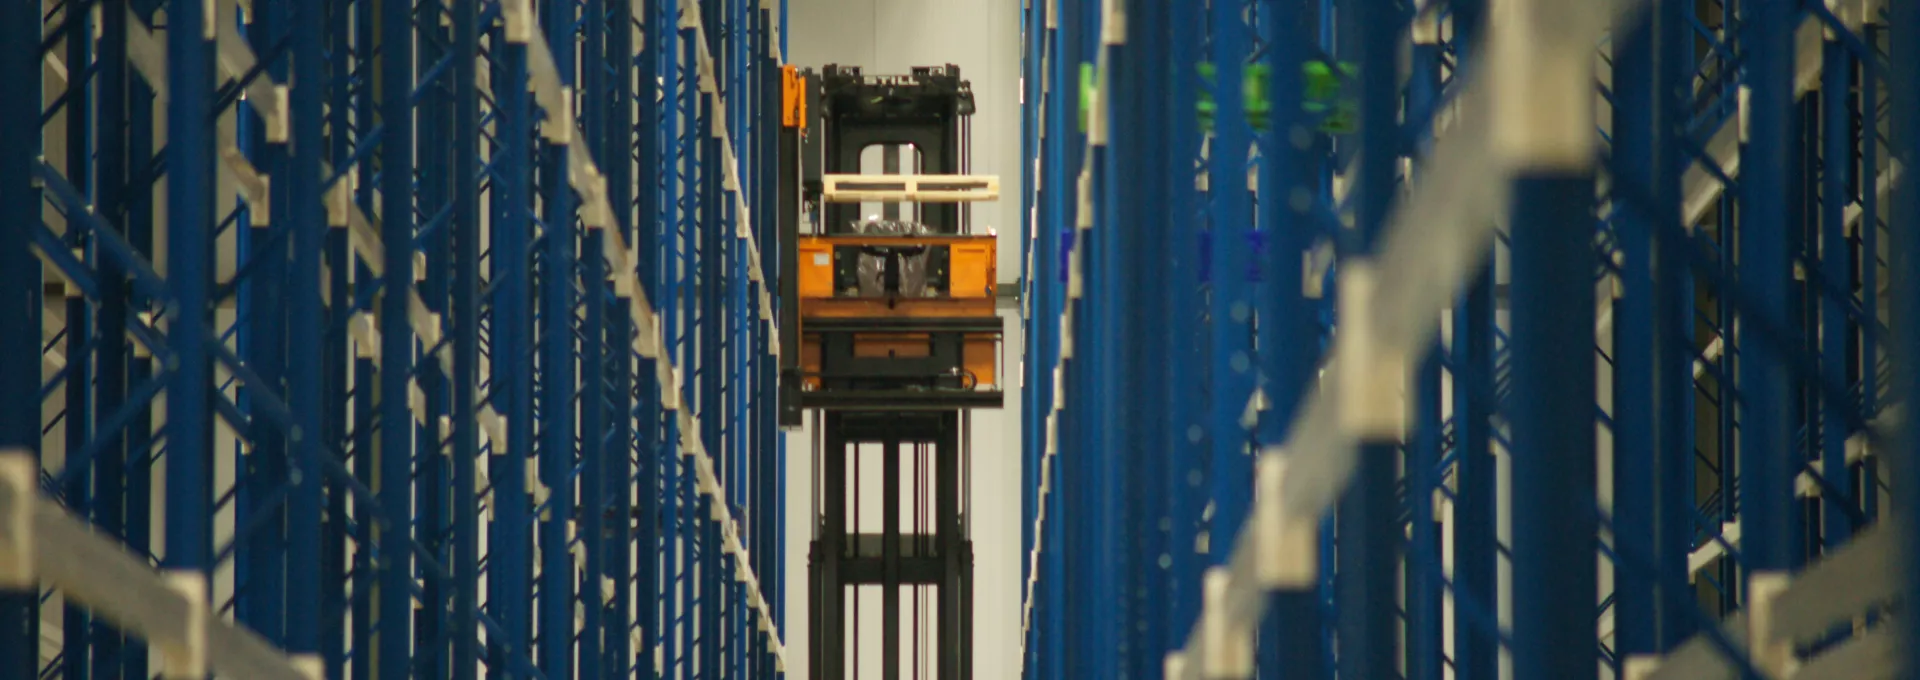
(423, 337)
(1211, 497)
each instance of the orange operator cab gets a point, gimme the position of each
(942, 284)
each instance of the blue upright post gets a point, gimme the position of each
(1553, 439)
(112, 188)
(1904, 81)
(432, 472)
(77, 416)
(617, 488)
(1129, 296)
(1032, 418)
(1231, 379)
(510, 547)
(395, 564)
(340, 367)
(769, 515)
(1147, 311)
(717, 341)
(75, 647)
(190, 74)
(20, 286)
(1835, 287)
(556, 277)
(1082, 426)
(1766, 434)
(707, 245)
(1674, 340)
(693, 158)
(1724, 394)
(1424, 658)
(1802, 317)
(1331, 161)
(1635, 475)
(1108, 299)
(1555, 576)
(1423, 601)
(1076, 559)
(1039, 359)
(1060, 228)
(1869, 183)
(649, 220)
(1086, 562)
(667, 289)
(1369, 528)
(778, 600)
(305, 314)
(734, 409)
(466, 339)
(1289, 322)
(1476, 651)
(1184, 368)
(270, 22)
(595, 462)
(631, 146)
(1040, 326)
(740, 314)
(140, 437)
(593, 458)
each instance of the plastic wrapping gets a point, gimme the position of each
(914, 264)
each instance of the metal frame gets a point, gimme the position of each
(927, 109)
(1486, 222)
(344, 272)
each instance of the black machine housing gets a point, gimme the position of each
(885, 405)
(926, 110)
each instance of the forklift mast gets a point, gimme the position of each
(890, 298)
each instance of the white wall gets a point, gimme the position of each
(983, 38)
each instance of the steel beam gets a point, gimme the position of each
(306, 314)
(21, 285)
(1904, 85)
(1636, 483)
(190, 74)
(1766, 476)
(1369, 536)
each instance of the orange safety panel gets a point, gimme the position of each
(907, 308)
(973, 268)
(810, 360)
(980, 358)
(980, 354)
(816, 269)
(973, 265)
(891, 345)
(793, 93)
